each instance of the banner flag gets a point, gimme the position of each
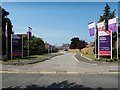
(91, 27)
(112, 24)
(29, 33)
(100, 26)
(6, 31)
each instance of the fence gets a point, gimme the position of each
(88, 51)
(74, 50)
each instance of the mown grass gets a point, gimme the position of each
(30, 57)
(92, 57)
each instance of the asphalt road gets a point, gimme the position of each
(63, 71)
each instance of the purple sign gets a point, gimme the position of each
(16, 45)
(105, 43)
(112, 24)
(91, 28)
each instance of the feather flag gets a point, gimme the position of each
(91, 28)
(29, 33)
(6, 31)
(112, 24)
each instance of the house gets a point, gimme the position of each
(90, 45)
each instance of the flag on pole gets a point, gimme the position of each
(112, 24)
(100, 26)
(6, 30)
(91, 27)
(29, 33)
(12, 30)
(29, 29)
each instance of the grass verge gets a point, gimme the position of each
(30, 57)
(92, 57)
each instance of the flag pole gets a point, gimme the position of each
(111, 44)
(11, 47)
(28, 44)
(48, 49)
(22, 46)
(6, 41)
(95, 39)
(117, 36)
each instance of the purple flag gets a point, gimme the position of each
(29, 33)
(91, 28)
(112, 24)
(6, 31)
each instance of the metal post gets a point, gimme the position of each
(111, 44)
(48, 48)
(6, 41)
(51, 49)
(11, 47)
(95, 39)
(22, 46)
(98, 46)
(117, 35)
(28, 44)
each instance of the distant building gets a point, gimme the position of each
(65, 46)
(90, 45)
(46, 45)
(115, 44)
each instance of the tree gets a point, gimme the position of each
(9, 29)
(36, 44)
(81, 44)
(74, 42)
(77, 44)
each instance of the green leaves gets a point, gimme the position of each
(36, 45)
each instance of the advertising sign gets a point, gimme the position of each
(105, 42)
(16, 45)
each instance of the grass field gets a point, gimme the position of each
(30, 57)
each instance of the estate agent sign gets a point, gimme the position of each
(105, 47)
(16, 45)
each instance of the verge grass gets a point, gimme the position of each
(92, 57)
(30, 57)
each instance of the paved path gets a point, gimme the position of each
(61, 71)
(67, 62)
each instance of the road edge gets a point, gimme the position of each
(33, 61)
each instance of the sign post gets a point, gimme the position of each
(16, 43)
(105, 43)
(11, 47)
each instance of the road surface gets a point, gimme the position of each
(64, 71)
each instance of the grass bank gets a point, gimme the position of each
(30, 57)
(92, 57)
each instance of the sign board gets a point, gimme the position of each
(16, 45)
(105, 43)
